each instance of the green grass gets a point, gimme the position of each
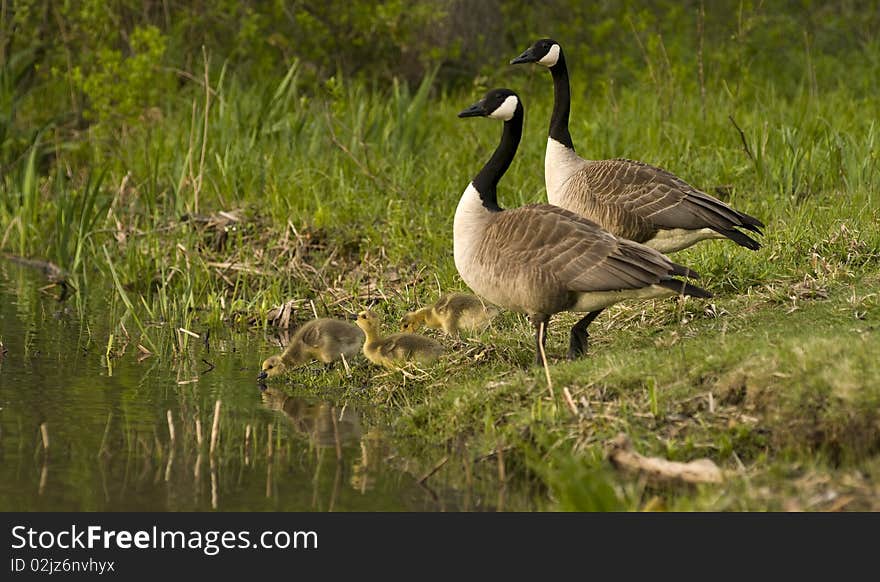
(346, 198)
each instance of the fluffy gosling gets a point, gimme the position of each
(396, 348)
(453, 313)
(322, 339)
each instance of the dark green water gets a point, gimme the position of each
(109, 440)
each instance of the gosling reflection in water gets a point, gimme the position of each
(324, 424)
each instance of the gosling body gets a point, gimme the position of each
(324, 339)
(453, 313)
(398, 348)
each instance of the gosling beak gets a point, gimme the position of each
(263, 375)
(527, 57)
(353, 317)
(478, 109)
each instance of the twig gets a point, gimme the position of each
(247, 442)
(656, 470)
(210, 367)
(336, 442)
(215, 429)
(434, 469)
(742, 136)
(44, 433)
(199, 432)
(502, 474)
(569, 401)
(345, 364)
(188, 332)
(171, 426)
(101, 449)
(269, 442)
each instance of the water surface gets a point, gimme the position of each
(84, 431)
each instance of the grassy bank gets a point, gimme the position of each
(231, 202)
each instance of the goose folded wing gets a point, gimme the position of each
(553, 244)
(662, 198)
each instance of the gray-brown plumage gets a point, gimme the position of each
(453, 313)
(395, 349)
(630, 199)
(541, 259)
(321, 339)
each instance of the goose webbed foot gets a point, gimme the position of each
(580, 337)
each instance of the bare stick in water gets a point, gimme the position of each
(215, 429)
(171, 426)
(44, 432)
(247, 442)
(434, 469)
(269, 450)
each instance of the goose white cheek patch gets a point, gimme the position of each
(506, 110)
(551, 57)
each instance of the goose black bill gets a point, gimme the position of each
(476, 110)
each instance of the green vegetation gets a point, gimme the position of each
(207, 187)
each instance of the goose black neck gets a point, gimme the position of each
(561, 103)
(486, 182)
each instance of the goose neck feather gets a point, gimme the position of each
(486, 181)
(561, 103)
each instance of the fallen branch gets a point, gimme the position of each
(433, 469)
(622, 456)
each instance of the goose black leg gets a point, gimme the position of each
(540, 322)
(580, 337)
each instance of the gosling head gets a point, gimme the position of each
(272, 366)
(544, 52)
(410, 322)
(497, 104)
(367, 320)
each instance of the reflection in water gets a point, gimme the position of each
(322, 423)
(335, 428)
(135, 434)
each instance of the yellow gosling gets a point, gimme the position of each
(326, 340)
(397, 348)
(453, 313)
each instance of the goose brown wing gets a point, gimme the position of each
(661, 198)
(551, 243)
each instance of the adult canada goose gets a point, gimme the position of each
(453, 313)
(630, 199)
(541, 259)
(396, 348)
(322, 339)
